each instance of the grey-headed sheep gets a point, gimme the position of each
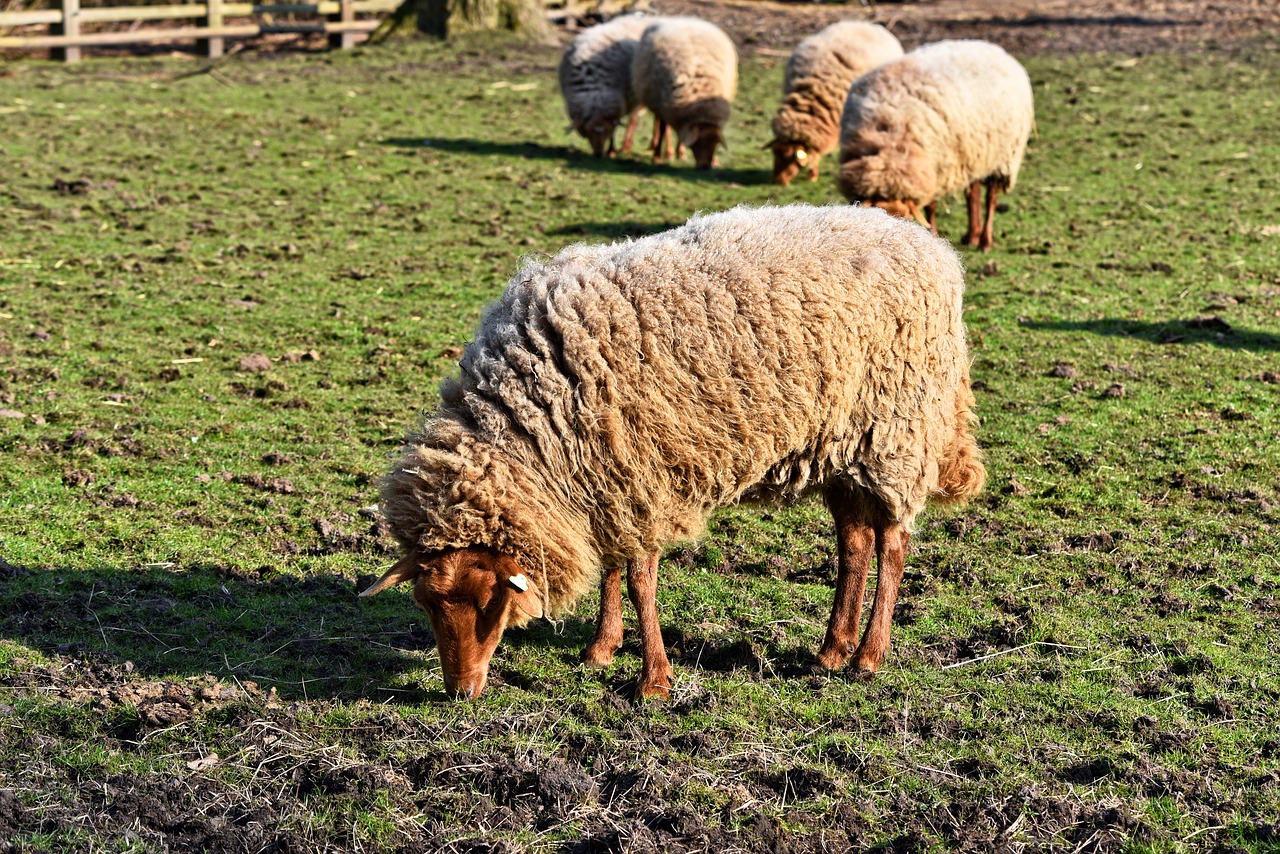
(686, 72)
(819, 73)
(946, 116)
(615, 395)
(595, 80)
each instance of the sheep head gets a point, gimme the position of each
(789, 157)
(888, 171)
(599, 132)
(470, 595)
(702, 141)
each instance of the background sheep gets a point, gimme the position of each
(616, 395)
(945, 116)
(686, 72)
(819, 73)
(595, 80)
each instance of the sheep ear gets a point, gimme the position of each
(771, 143)
(406, 569)
(527, 597)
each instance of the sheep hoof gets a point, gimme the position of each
(657, 688)
(597, 655)
(833, 658)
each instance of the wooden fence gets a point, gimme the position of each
(66, 37)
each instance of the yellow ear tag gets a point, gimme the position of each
(801, 155)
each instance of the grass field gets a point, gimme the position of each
(224, 297)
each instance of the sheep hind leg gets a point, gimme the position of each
(987, 240)
(599, 653)
(975, 215)
(855, 543)
(891, 555)
(642, 587)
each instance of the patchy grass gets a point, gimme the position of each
(1084, 659)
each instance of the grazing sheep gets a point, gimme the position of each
(686, 72)
(595, 80)
(946, 116)
(616, 395)
(819, 73)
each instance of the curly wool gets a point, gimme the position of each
(933, 122)
(819, 73)
(595, 70)
(616, 395)
(686, 72)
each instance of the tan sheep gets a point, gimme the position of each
(595, 80)
(819, 73)
(946, 116)
(686, 72)
(615, 395)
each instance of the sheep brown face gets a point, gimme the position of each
(903, 208)
(599, 132)
(470, 595)
(789, 158)
(702, 141)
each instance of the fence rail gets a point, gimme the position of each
(65, 37)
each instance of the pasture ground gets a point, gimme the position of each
(225, 295)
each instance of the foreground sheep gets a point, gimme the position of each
(686, 72)
(819, 73)
(595, 80)
(616, 395)
(946, 116)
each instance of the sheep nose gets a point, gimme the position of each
(465, 687)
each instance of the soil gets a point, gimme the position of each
(1022, 27)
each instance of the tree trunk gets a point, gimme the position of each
(448, 18)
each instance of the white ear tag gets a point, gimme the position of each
(519, 582)
(801, 155)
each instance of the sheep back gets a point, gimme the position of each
(936, 120)
(595, 70)
(819, 73)
(616, 394)
(686, 72)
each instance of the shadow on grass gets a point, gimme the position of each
(615, 230)
(1210, 330)
(308, 637)
(582, 159)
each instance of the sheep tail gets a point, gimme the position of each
(961, 474)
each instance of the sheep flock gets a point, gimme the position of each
(614, 396)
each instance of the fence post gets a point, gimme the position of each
(212, 46)
(346, 38)
(70, 26)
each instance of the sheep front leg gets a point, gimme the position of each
(599, 653)
(855, 543)
(987, 240)
(642, 587)
(891, 557)
(632, 124)
(975, 215)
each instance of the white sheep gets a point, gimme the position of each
(819, 74)
(686, 73)
(946, 116)
(616, 395)
(595, 80)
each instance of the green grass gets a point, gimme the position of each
(181, 538)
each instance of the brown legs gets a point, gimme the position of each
(980, 233)
(599, 653)
(642, 586)
(631, 131)
(860, 528)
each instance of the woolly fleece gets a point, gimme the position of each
(595, 70)
(933, 122)
(819, 73)
(686, 72)
(615, 395)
